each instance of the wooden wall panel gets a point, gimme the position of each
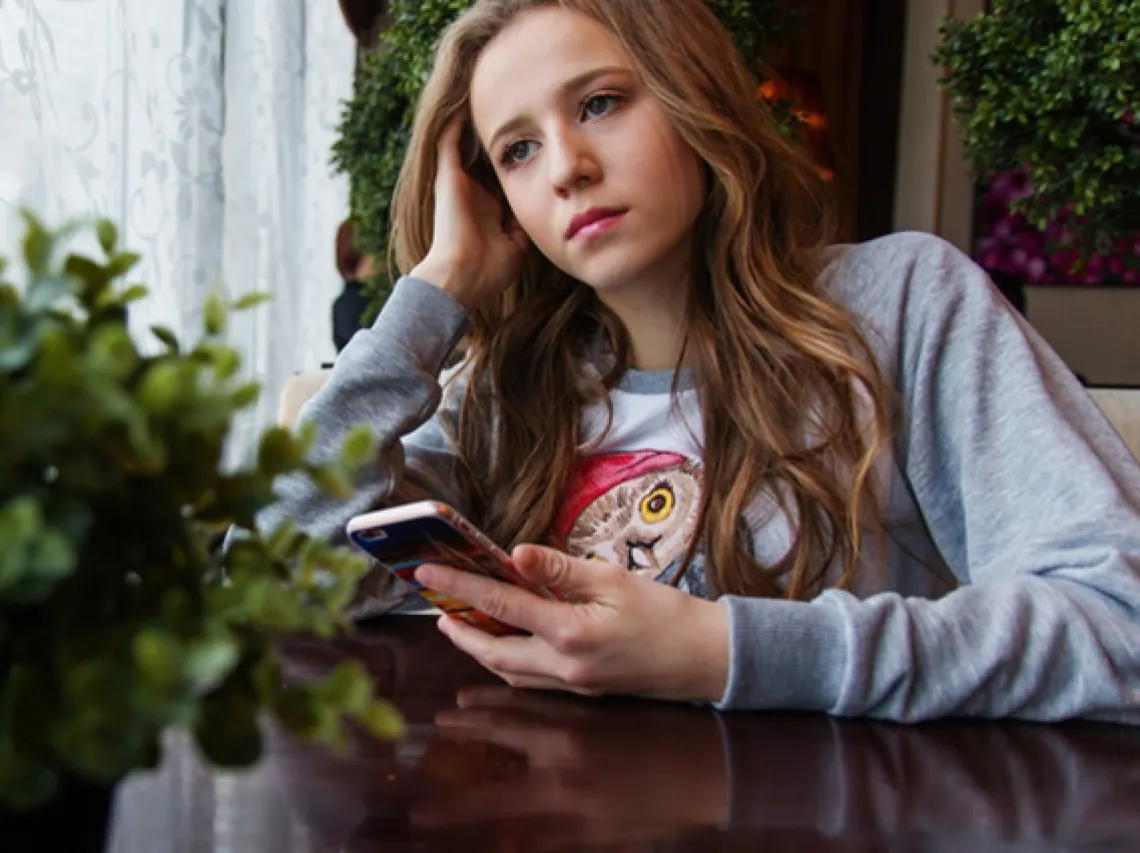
(827, 52)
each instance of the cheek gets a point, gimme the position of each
(690, 183)
(679, 169)
(531, 214)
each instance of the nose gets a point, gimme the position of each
(573, 163)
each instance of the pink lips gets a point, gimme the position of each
(593, 221)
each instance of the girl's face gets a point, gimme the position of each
(574, 136)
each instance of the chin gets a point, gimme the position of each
(606, 275)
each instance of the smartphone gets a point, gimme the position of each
(401, 538)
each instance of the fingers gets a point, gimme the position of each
(525, 662)
(449, 158)
(487, 697)
(520, 661)
(545, 746)
(548, 707)
(502, 601)
(578, 579)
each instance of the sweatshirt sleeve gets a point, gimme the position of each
(1029, 495)
(388, 378)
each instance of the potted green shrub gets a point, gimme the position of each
(376, 123)
(118, 619)
(1047, 90)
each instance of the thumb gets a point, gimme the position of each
(558, 571)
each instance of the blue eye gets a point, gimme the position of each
(599, 105)
(516, 152)
(596, 106)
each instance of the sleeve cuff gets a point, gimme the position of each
(425, 316)
(788, 655)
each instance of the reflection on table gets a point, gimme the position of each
(487, 768)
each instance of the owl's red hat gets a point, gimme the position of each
(598, 474)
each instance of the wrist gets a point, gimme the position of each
(710, 639)
(446, 276)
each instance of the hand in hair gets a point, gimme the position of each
(623, 634)
(473, 255)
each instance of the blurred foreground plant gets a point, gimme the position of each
(117, 619)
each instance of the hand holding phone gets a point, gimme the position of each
(403, 538)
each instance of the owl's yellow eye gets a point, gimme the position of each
(658, 504)
(595, 558)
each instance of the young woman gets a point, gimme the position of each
(769, 472)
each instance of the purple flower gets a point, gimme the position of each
(1007, 242)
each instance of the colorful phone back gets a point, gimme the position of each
(401, 547)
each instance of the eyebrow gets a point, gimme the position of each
(563, 91)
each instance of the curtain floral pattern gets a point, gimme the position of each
(202, 128)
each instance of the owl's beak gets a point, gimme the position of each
(642, 556)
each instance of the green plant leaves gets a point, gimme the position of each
(317, 710)
(245, 395)
(251, 300)
(158, 657)
(34, 557)
(1052, 85)
(108, 235)
(95, 277)
(165, 385)
(112, 352)
(117, 619)
(210, 659)
(227, 731)
(17, 346)
(121, 263)
(333, 481)
(358, 449)
(384, 721)
(168, 338)
(278, 452)
(47, 290)
(38, 245)
(214, 315)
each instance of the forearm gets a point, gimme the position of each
(1025, 647)
(387, 379)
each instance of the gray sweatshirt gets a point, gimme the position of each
(1011, 584)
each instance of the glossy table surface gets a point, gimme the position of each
(516, 771)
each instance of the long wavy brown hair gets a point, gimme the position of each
(792, 403)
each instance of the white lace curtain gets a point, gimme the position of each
(202, 128)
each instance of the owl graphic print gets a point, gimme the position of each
(637, 510)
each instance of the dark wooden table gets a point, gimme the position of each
(526, 772)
